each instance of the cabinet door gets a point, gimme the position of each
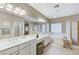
(33, 52)
(32, 49)
(27, 50)
(26, 44)
(24, 51)
(9, 51)
(15, 53)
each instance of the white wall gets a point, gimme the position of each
(74, 33)
(68, 29)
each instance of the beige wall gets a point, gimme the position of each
(64, 19)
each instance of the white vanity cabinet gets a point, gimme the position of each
(15, 53)
(26, 47)
(23, 49)
(9, 51)
(32, 47)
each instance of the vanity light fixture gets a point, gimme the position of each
(9, 7)
(17, 10)
(2, 5)
(57, 8)
(22, 12)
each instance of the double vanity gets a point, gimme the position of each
(24, 45)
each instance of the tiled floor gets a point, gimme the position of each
(56, 49)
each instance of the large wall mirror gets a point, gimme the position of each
(5, 28)
(18, 29)
(5, 31)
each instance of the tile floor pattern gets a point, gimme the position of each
(56, 49)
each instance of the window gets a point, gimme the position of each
(43, 28)
(36, 28)
(47, 28)
(56, 28)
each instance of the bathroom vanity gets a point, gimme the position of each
(24, 45)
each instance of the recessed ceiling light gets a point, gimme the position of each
(56, 6)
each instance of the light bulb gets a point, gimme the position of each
(22, 12)
(16, 10)
(9, 6)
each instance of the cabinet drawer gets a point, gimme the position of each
(33, 52)
(21, 46)
(33, 41)
(15, 53)
(27, 50)
(9, 51)
(33, 46)
(24, 51)
(32, 49)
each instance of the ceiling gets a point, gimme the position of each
(49, 10)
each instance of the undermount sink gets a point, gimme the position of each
(4, 44)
